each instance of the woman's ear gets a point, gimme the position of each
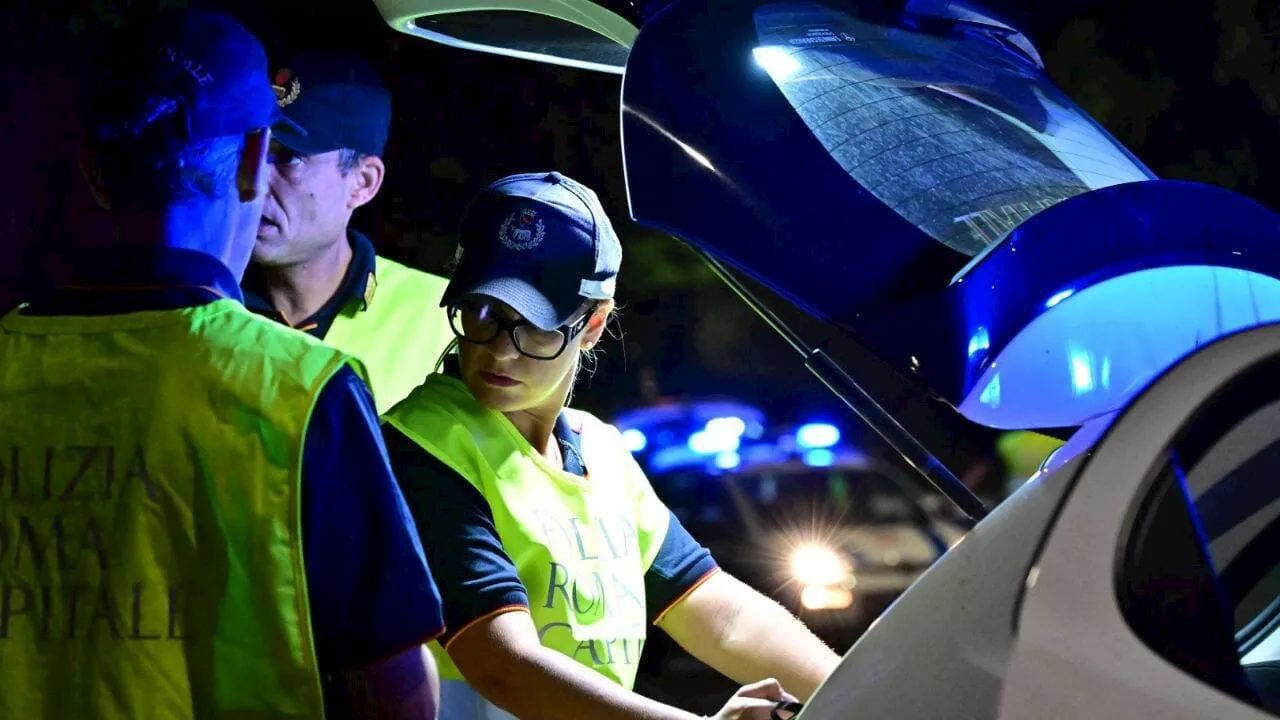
(596, 324)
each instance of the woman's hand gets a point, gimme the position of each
(754, 701)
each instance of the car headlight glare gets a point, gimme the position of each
(818, 565)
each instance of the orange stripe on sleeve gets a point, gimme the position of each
(500, 611)
(697, 584)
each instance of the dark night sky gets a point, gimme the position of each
(1194, 92)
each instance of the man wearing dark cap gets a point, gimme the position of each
(198, 515)
(310, 269)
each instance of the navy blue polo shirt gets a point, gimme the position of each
(371, 597)
(466, 555)
(352, 289)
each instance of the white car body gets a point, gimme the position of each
(1022, 619)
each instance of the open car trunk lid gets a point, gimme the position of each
(913, 178)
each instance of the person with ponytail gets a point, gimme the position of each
(552, 551)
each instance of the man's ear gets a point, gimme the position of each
(93, 175)
(251, 175)
(366, 181)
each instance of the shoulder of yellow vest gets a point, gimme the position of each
(247, 335)
(437, 391)
(390, 272)
(300, 339)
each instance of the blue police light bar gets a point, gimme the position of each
(728, 460)
(634, 440)
(820, 457)
(817, 435)
(682, 457)
(727, 426)
(674, 457)
(694, 414)
(711, 442)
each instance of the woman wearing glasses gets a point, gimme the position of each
(552, 552)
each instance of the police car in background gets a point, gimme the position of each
(827, 530)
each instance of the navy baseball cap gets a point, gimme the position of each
(334, 101)
(539, 242)
(181, 76)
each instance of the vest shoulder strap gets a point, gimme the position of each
(440, 416)
(394, 276)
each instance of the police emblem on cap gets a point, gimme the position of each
(286, 86)
(522, 230)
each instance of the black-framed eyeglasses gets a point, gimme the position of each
(477, 322)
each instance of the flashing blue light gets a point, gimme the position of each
(727, 426)
(675, 457)
(760, 453)
(817, 435)
(728, 460)
(708, 442)
(634, 440)
(819, 457)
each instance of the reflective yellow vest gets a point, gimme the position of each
(401, 332)
(150, 544)
(580, 545)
